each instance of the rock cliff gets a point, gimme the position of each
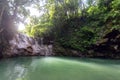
(22, 45)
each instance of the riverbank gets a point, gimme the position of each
(22, 45)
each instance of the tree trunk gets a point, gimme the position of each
(7, 29)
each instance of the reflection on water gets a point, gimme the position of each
(51, 68)
(14, 69)
(18, 72)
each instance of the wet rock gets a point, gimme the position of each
(61, 51)
(109, 46)
(22, 45)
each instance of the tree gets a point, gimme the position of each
(11, 13)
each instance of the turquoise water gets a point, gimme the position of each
(56, 68)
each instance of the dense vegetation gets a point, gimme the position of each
(72, 24)
(76, 24)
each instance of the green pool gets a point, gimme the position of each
(56, 68)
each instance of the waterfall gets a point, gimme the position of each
(50, 48)
(41, 41)
(46, 49)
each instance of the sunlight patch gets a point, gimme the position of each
(21, 27)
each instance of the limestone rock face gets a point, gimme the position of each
(109, 46)
(22, 45)
(110, 42)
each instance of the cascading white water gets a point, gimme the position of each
(41, 41)
(47, 49)
(50, 48)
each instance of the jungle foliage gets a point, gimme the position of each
(74, 24)
(77, 24)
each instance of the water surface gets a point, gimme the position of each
(56, 68)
